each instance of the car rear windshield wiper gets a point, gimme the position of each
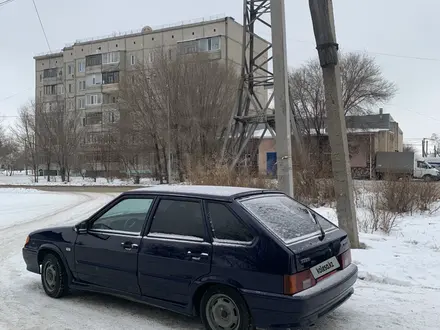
(313, 215)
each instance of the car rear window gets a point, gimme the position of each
(285, 217)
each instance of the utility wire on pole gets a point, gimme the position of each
(325, 35)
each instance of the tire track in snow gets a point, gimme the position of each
(13, 237)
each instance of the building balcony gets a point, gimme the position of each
(94, 87)
(52, 80)
(109, 88)
(93, 69)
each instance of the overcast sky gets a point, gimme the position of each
(404, 28)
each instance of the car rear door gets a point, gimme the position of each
(107, 254)
(176, 250)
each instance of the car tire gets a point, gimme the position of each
(427, 178)
(54, 276)
(224, 308)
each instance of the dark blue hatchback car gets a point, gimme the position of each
(239, 258)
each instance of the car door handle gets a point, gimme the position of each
(129, 246)
(197, 256)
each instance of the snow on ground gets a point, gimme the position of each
(396, 290)
(21, 179)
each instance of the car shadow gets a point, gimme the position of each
(166, 318)
(122, 306)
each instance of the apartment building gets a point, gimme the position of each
(85, 75)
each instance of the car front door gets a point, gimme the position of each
(106, 255)
(420, 169)
(176, 250)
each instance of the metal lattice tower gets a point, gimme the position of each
(252, 108)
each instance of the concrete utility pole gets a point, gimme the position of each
(281, 96)
(325, 35)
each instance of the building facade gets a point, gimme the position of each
(85, 76)
(366, 135)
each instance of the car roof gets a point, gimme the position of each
(210, 192)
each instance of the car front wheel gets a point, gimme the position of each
(223, 308)
(53, 276)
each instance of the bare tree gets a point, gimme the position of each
(436, 139)
(9, 154)
(363, 87)
(59, 134)
(24, 132)
(191, 93)
(408, 148)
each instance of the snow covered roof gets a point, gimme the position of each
(323, 131)
(259, 132)
(222, 191)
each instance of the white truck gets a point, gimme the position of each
(404, 164)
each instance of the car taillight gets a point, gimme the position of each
(27, 241)
(345, 259)
(298, 282)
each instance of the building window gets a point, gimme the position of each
(93, 118)
(82, 85)
(41, 77)
(94, 60)
(70, 88)
(70, 69)
(92, 80)
(151, 57)
(94, 99)
(111, 117)
(81, 103)
(50, 73)
(50, 90)
(60, 89)
(213, 43)
(81, 66)
(110, 77)
(132, 60)
(201, 45)
(70, 104)
(170, 54)
(109, 58)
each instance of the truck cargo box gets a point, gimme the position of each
(395, 162)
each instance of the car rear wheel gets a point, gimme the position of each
(53, 276)
(223, 308)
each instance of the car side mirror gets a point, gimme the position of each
(80, 227)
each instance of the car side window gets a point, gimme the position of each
(226, 226)
(178, 218)
(129, 215)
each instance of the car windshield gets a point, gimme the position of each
(285, 217)
(428, 165)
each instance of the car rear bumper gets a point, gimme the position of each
(304, 308)
(31, 260)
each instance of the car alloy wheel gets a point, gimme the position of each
(222, 313)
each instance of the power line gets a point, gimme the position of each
(41, 24)
(13, 95)
(419, 58)
(3, 3)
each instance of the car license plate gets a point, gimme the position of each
(325, 267)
